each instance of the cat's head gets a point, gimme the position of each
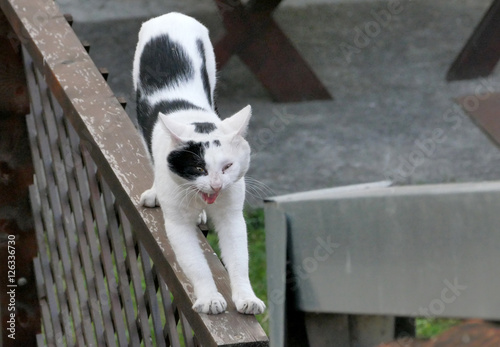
(207, 157)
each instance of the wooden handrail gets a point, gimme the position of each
(115, 146)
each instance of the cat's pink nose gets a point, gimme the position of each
(216, 189)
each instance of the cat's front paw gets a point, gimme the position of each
(249, 305)
(148, 198)
(211, 304)
(202, 218)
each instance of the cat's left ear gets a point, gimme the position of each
(237, 124)
(175, 129)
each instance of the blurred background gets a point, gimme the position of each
(393, 114)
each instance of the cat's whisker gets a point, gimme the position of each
(257, 190)
(183, 191)
(257, 187)
(179, 190)
(188, 196)
(194, 194)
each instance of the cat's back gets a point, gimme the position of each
(173, 71)
(174, 24)
(170, 41)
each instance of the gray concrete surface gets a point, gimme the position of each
(105, 10)
(393, 116)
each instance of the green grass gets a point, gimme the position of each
(430, 327)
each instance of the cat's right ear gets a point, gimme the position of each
(237, 124)
(174, 129)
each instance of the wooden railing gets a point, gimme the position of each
(79, 130)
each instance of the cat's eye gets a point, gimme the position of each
(200, 169)
(227, 167)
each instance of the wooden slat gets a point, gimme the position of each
(254, 36)
(484, 110)
(78, 213)
(67, 199)
(131, 262)
(150, 296)
(480, 54)
(94, 273)
(187, 332)
(118, 249)
(48, 303)
(58, 308)
(117, 150)
(114, 321)
(40, 341)
(170, 328)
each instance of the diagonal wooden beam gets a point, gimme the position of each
(482, 51)
(253, 35)
(485, 112)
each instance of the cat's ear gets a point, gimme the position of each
(175, 129)
(237, 124)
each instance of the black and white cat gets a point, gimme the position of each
(199, 160)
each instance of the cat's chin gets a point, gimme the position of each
(209, 198)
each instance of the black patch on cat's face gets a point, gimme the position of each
(216, 143)
(204, 74)
(148, 115)
(206, 144)
(204, 127)
(164, 63)
(188, 161)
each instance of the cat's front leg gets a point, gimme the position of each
(231, 228)
(184, 240)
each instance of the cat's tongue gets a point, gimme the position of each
(210, 198)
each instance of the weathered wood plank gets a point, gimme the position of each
(55, 140)
(60, 317)
(78, 211)
(481, 53)
(484, 111)
(114, 235)
(105, 259)
(150, 296)
(132, 261)
(94, 273)
(254, 36)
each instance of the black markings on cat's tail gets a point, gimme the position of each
(204, 73)
(188, 161)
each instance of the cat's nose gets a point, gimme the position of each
(216, 188)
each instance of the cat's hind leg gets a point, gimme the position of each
(149, 198)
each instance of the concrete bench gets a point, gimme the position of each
(360, 256)
(105, 272)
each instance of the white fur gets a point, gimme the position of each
(180, 200)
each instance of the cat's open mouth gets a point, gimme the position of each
(209, 198)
